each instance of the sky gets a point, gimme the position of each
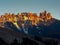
(35, 6)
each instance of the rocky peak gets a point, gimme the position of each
(45, 16)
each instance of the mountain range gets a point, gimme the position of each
(48, 28)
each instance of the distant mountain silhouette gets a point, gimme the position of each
(46, 29)
(51, 28)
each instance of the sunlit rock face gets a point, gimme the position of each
(45, 16)
(23, 17)
(16, 25)
(30, 22)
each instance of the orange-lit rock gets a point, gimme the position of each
(44, 16)
(49, 16)
(1, 20)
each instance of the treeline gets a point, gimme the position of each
(27, 41)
